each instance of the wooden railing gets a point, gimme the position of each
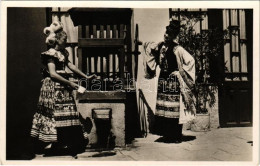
(101, 51)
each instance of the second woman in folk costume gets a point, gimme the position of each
(175, 100)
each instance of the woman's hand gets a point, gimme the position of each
(93, 76)
(73, 68)
(74, 85)
(175, 73)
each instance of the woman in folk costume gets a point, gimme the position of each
(56, 124)
(175, 100)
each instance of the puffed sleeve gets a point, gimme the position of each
(46, 58)
(186, 65)
(151, 56)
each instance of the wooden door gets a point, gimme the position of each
(235, 92)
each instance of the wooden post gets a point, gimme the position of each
(114, 65)
(122, 64)
(129, 49)
(108, 32)
(79, 48)
(122, 28)
(239, 44)
(94, 31)
(114, 31)
(101, 31)
(87, 31)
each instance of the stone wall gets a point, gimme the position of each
(117, 120)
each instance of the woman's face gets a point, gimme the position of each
(62, 42)
(168, 38)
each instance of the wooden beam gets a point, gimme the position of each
(101, 95)
(100, 10)
(101, 42)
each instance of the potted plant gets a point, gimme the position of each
(206, 47)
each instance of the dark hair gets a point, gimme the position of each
(173, 28)
(60, 34)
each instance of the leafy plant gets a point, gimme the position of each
(206, 47)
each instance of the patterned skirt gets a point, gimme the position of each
(168, 98)
(56, 109)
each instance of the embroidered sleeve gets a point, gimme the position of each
(151, 58)
(186, 77)
(151, 54)
(186, 65)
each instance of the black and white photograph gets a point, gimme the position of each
(130, 84)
